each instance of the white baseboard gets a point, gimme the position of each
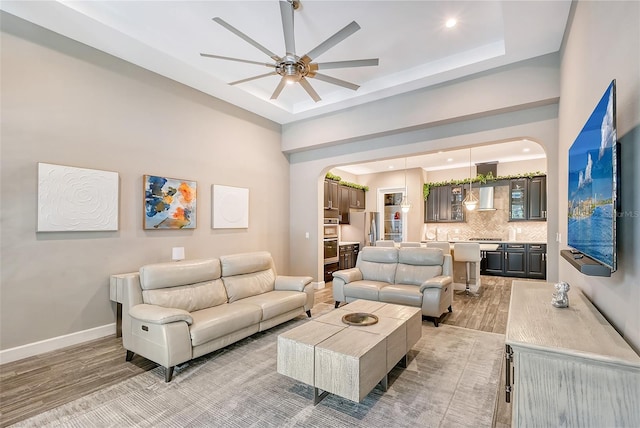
(55, 343)
(318, 285)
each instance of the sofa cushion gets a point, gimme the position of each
(188, 297)
(163, 275)
(399, 294)
(416, 265)
(416, 275)
(243, 263)
(378, 263)
(276, 303)
(364, 289)
(251, 284)
(212, 323)
(420, 256)
(247, 274)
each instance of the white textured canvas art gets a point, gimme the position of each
(76, 199)
(230, 207)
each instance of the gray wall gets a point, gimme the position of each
(602, 44)
(65, 103)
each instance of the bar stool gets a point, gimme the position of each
(443, 245)
(468, 252)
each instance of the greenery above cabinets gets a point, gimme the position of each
(484, 179)
(337, 178)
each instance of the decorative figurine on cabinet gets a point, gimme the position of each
(560, 297)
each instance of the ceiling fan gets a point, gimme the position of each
(292, 67)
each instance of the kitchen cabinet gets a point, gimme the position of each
(570, 366)
(444, 205)
(492, 262)
(350, 198)
(331, 195)
(537, 261)
(518, 200)
(348, 256)
(357, 198)
(343, 209)
(528, 199)
(329, 269)
(515, 260)
(537, 193)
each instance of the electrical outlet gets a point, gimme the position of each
(306, 235)
(559, 237)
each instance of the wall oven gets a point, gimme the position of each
(330, 236)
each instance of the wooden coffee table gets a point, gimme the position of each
(346, 360)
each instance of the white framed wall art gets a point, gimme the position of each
(230, 207)
(74, 199)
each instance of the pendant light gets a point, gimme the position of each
(470, 201)
(405, 205)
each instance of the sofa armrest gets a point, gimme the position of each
(292, 283)
(436, 282)
(348, 275)
(159, 315)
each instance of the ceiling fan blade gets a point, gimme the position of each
(286, 10)
(279, 88)
(307, 87)
(246, 38)
(333, 40)
(335, 81)
(345, 64)
(237, 59)
(248, 79)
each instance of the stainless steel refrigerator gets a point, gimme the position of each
(364, 228)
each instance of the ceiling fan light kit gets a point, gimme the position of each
(292, 68)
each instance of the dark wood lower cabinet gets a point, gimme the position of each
(516, 260)
(329, 269)
(348, 255)
(537, 261)
(493, 262)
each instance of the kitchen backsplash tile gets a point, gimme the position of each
(489, 224)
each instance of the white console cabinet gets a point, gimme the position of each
(568, 366)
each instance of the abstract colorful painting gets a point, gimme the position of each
(169, 203)
(74, 199)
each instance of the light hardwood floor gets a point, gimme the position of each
(37, 384)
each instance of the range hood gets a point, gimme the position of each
(486, 199)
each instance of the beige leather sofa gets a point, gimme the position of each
(174, 312)
(419, 277)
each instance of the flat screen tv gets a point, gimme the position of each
(593, 184)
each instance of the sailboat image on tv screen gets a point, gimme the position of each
(592, 184)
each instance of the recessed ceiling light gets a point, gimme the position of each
(526, 149)
(390, 166)
(450, 160)
(451, 22)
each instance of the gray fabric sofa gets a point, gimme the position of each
(420, 277)
(174, 312)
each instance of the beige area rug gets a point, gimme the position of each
(451, 381)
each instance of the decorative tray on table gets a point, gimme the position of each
(360, 319)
